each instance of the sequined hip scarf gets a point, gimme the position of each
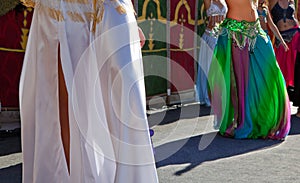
(243, 32)
(287, 35)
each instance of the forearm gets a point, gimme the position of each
(277, 34)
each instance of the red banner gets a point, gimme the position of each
(182, 18)
(14, 30)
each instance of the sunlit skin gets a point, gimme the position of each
(242, 10)
(263, 5)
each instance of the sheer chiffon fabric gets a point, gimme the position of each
(102, 65)
(207, 45)
(287, 59)
(248, 90)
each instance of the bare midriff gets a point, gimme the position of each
(241, 10)
(286, 25)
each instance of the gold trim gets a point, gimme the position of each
(12, 50)
(28, 3)
(186, 49)
(159, 17)
(89, 15)
(24, 37)
(156, 50)
(55, 14)
(187, 7)
(165, 49)
(76, 17)
(94, 16)
(77, 1)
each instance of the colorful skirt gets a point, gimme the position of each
(287, 59)
(249, 97)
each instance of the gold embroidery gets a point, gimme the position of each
(185, 5)
(56, 14)
(25, 29)
(28, 3)
(89, 16)
(77, 1)
(182, 20)
(121, 10)
(76, 17)
(12, 50)
(101, 14)
(95, 18)
(117, 5)
(151, 40)
(143, 17)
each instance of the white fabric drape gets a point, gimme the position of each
(103, 71)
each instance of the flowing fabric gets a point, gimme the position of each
(102, 66)
(248, 90)
(207, 45)
(287, 59)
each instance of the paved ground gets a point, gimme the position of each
(188, 150)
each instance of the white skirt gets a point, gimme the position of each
(109, 134)
(207, 45)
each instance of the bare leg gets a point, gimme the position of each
(63, 112)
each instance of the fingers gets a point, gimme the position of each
(142, 37)
(215, 19)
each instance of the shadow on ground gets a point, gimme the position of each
(10, 143)
(177, 112)
(12, 174)
(295, 125)
(219, 147)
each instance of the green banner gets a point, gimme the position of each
(152, 20)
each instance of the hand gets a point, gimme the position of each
(214, 20)
(285, 46)
(142, 37)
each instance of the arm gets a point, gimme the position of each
(213, 20)
(206, 6)
(275, 31)
(295, 13)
